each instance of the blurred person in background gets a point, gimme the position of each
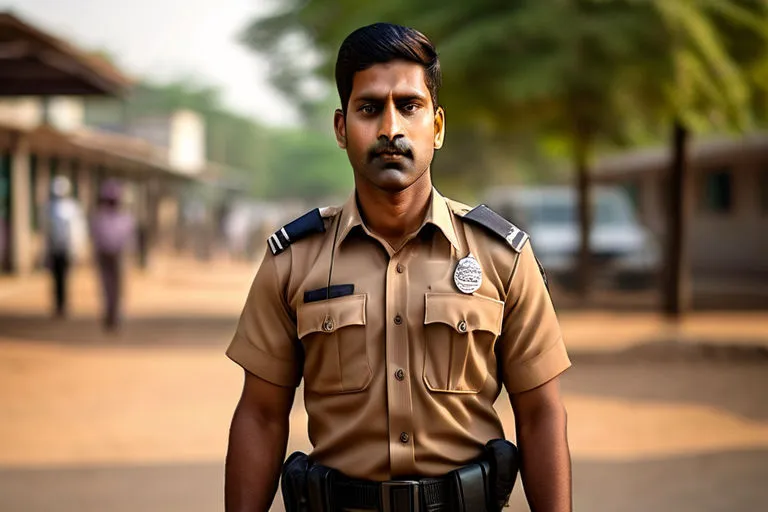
(404, 312)
(112, 231)
(64, 224)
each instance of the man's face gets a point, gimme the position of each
(391, 129)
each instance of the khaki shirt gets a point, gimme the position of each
(400, 377)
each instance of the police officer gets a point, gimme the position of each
(404, 312)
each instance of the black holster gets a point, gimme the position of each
(505, 463)
(294, 482)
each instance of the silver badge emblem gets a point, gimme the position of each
(468, 275)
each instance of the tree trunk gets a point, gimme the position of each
(677, 297)
(581, 160)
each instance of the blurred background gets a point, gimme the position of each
(157, 145)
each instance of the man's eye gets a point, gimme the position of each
(368, 109)
(411, 107)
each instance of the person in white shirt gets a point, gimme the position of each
(64, 219)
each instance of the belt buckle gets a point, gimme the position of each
(388, 489)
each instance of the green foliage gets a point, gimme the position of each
(608, 71)
(307, 164)
(508, 66)
(273, 162)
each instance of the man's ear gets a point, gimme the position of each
(340, 128)
(439, 127)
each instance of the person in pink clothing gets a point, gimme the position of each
(112, 231)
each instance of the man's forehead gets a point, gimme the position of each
(397, 77)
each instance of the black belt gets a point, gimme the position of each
(476, 487)
(423, 495)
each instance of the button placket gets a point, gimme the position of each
(399, 400)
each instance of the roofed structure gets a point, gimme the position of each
(35, 63)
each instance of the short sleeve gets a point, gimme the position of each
(531, 350)
(265, 341)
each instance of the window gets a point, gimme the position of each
(717, 191)
(5, 211)
(632, 189)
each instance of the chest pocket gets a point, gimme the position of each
(460, 332)
(335, 353)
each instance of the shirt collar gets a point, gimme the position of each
(438, 214)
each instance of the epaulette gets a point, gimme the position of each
(495, 223)
(308, 224)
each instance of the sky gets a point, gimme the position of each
(164, 40)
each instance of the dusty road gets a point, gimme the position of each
(138, 421)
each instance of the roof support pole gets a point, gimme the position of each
(22, 257)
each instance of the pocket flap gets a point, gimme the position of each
(327, 316)
(464, 313)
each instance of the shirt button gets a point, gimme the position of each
(400, 374)
(398, 320)
(462, 327)
(404, 437)
(328, 324)
(400, 268)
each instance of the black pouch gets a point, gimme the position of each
(320, 481)
(505, 463)
(294, 482)
(473, 485)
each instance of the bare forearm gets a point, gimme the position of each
(256, 452)
(546, 461)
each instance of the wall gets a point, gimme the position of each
(187, 141)
(734, 242)
(723, 244)
(26, 113)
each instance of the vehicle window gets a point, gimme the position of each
(611, 210)
(555, 213)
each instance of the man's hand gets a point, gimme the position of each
(540, 420)
(257, 443)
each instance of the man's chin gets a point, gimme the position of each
(392, 178)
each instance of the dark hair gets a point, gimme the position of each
(380, 43)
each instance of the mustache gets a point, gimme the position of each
(398, 146)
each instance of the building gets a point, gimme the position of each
(728, 232)
(43, 83)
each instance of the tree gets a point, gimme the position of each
(588, 71)
(709, 85)
(510, 67)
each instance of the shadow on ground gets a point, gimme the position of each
(135, 331)
(738, 387)
(719, 482)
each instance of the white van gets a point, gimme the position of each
(625, 254)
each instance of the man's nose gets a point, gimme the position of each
(390, 126)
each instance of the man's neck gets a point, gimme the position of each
(394, 215)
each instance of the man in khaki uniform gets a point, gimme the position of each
(403, 311)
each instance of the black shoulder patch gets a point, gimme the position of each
(495, 223)
(308, 224)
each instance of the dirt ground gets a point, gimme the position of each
(660, 418)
